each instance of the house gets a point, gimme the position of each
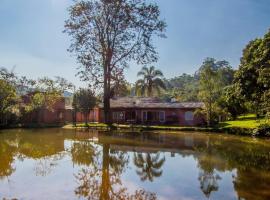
(124, 110)
(140, 110)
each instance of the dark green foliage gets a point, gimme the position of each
(183, 88)
(121, 88)
(253, 76)
(262, 130)
(83, 101)
(232, 102)
(213, 77)
(8, 101)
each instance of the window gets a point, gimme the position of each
(121, 115)
(118, 115)
(189, 116)
(114, 115)
(60, 115)
(144, 116)
(162, 116)
(94, 114)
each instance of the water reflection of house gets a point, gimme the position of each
(152, 143)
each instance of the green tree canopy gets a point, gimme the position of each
(8, 100)
(84, 100)
(46, 92)
(253, 76)
(150, 83)
(182, 88)
(213, 77)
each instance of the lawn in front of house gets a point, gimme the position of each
(244, 121)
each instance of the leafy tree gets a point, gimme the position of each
(183, 88)
(210, 88)
(8, 100)
(213, 77)
(120, 89)
(47, 92)
(107, 35)
(150, 82)
(8, 76)
(232, 102)
(84, 100)
(253, 74)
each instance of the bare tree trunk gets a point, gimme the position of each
(86, 118)
(106, 98)
(74, 112)
(210, 113)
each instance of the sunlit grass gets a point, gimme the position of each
(245, 121)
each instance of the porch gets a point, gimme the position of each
(129, 116)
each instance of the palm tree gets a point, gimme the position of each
(150, 82)
(149, 165)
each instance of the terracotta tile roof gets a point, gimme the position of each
(142, 102)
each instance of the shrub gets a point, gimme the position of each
(262, 130)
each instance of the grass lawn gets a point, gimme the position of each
(245, 121)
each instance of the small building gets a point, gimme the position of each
(140, 110)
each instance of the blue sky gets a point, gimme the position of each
(31, 37)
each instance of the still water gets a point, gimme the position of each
(67, 164)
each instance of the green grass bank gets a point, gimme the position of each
(244, 125)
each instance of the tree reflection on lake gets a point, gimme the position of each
(144, 166)
(148, 165)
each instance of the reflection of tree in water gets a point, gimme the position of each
(252, 184)
(7, 153)
(44, 166)
(208, 182)
(208, 175)
(91, 187)
(83, 153)
(102, 180)
(250, 158)
(149, 165)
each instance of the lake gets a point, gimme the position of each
(68, 164)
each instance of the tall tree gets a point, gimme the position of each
(150, 82)
(213, 76)
(108, 34)
(84, 100)
(253, 74)
(232, 102)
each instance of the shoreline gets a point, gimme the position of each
(139, 128)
